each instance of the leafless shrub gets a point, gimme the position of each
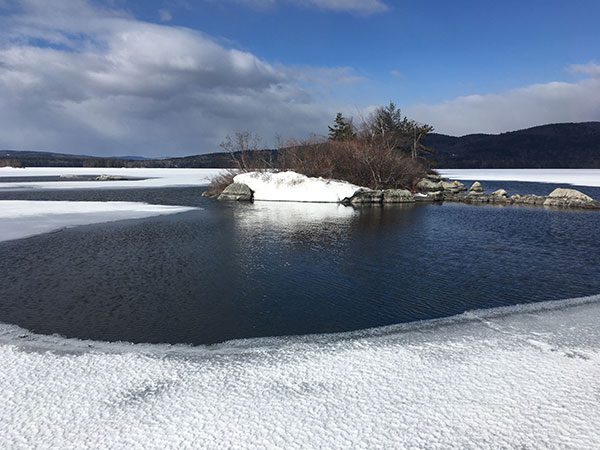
(219, 183)
(363, 161)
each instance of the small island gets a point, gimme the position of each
(381, 161)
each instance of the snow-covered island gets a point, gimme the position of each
(291, 186)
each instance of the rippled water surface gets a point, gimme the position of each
(230, 271)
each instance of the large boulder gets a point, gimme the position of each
(500, 193)
(570, 198)
(237, 192)
(397, 196)
(453, 186)
(428, 185)
(476, 187)
(365, 196)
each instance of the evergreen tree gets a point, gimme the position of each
(342, 129)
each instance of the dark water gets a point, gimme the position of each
(245, 270)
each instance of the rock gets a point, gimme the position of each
(434, 177)
(476, 187)
(570, 198)
(529, 199)
(477, 197)
(500, 193)
(429, 197)
(237, 192)
(427, 185)
(453, 186)
(109, 178)
(365, 196)
(397, 196)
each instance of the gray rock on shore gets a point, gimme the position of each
(528, 199)
(435, 183)
(570, 198)
(366, 196)
(237, 192)
(398, 196)
(476, 188)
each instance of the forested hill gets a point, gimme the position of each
(563, 145)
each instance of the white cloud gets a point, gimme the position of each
(591, 68)
(103, 82)
(533, 105)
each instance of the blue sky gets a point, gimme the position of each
(441, 49)
(162, 77)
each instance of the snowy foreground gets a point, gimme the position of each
(577, 177)
(23, 218)
(526, 377)
(294, 187)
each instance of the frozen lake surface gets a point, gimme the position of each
(424, 374)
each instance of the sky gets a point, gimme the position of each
(174, 77)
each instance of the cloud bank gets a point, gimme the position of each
(525, 107)
(78, 78)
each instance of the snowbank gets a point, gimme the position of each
(499, 379)
(155, 177)
(22, 218)
(578, 177)
(294, 187)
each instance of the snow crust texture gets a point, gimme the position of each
(23, 218)
(293, 187)
(515, 378)
(578, 177)
(153, 178)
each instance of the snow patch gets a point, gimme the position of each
(24, 218)
(523, 377)
(294, 187)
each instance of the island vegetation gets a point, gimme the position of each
(384, 151)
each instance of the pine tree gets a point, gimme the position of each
(342, 129)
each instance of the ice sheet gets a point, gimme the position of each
(579, 177)
(524, 377)
(154, 177)
(23, 218)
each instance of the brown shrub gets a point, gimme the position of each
(364, 162)
(219, 183)
(376, 162)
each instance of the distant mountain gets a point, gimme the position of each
(562, 145)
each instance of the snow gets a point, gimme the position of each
(24, 218)
(522, 377)
(155, 178)
(577, 177)
(293, 187)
